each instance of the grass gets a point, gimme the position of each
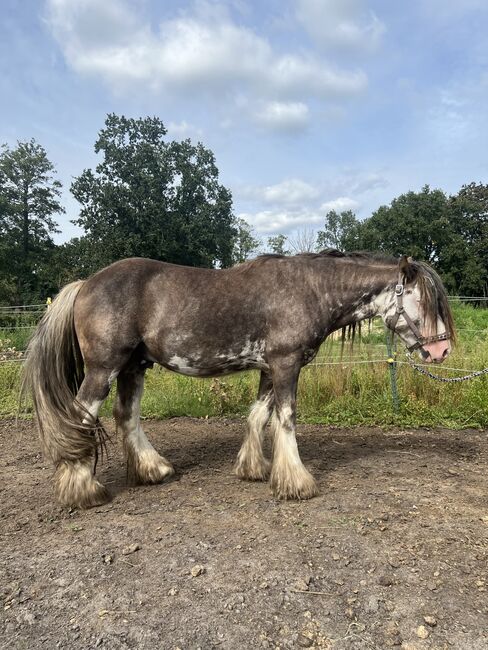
(345, 393)
(15, 338)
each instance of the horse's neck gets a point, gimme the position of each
(354, 293)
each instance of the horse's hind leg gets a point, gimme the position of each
(74, 482)
(251, 463)
(144, 464)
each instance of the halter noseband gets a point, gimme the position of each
(400, 311)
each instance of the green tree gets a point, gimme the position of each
(463, 261)
(152, 198)
(7, 280)
(451, 233)
(245, 243)
(29, 197)
(415, 223)
(70, 261)
(277, 244)
(340, 231)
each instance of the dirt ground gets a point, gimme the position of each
(393, 553)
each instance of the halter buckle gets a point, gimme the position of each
(399, 289)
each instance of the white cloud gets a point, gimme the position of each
(292, 191)
(183, 130)
(450, 118)
(340, 23)
(283, 116)
(294, 203)
(289, 192)
(286, 220)
(351, 182)
(362, 182)
(341, 204)
(294, 75)
(200, 50)
(282, 221)
(91, 23)
(295, 192)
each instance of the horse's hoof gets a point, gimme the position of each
(258, 470)
(148, 467)
(76, 486)
(296, 486)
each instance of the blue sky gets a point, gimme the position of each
(308, 105)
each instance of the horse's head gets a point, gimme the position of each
(420, 313)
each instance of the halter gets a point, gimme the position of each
(400, 311)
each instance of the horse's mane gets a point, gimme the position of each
(433, 295)
(331, 252)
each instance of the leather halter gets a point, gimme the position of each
(400, 311)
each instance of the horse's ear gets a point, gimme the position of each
(408, 269)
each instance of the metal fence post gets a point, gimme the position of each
(392, 366)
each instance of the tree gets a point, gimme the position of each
(277, 244)
(70, 261)
(340, 231)
(303, 241)
(245, 243)
(152, 198)
(463, 261)
(415, 223)
(29, 197)
(451, 233)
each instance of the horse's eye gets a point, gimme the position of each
(408, 291)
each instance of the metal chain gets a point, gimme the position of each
(446, 380)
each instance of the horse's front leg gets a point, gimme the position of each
(289, 478)
(251, 463)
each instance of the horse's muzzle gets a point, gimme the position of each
(438, 351)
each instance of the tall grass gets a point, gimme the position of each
(355, 389)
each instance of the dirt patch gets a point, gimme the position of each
(398, 533)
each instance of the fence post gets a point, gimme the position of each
(392, 366)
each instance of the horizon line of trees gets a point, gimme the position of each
(150, 197)
(448, 232)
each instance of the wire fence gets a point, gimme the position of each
(377, 350)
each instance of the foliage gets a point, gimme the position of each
(245, 242)
(340, 231)
(277, 244)
(152, 198)
(463, 261)
(29, 197)
(451, 233)
(73, 260)
(162, 199)
(415, 223)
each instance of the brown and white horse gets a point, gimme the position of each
(271, 314)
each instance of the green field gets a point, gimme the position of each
(352, 389)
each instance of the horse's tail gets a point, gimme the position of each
(52, 374)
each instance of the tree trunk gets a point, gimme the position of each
(25, 222)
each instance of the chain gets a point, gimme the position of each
(446, 380)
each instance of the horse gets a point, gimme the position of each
(270, 314)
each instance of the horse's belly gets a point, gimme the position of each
(212, 367)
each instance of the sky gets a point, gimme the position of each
(308, 105)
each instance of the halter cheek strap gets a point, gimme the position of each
(400, 311)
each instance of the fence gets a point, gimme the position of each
(372, 346)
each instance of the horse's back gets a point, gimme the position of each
(141, 301)
(195, 318)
